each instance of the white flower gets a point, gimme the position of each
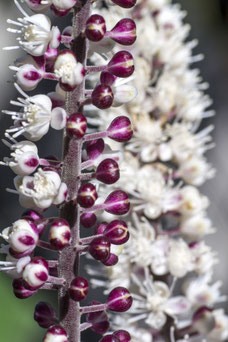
(192, 201)
(14, 267)
(70, 72)
(200, 293)
(220, 332)
(41, 190)
(155, 302)
(35, 33)
(180, 260)
(158, 197)
(36, 117)
(196, 170)
(195, 227)
(204, 257)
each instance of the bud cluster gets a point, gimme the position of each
(74, 183)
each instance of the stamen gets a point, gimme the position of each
(20, 8)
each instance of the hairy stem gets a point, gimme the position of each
(69, 311)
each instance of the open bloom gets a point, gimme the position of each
(41, 190)
(37, 115)
(35, 33)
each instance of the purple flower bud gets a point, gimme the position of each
(99, 248)
(95, 28)
(88, 220)
(55, 334)
(120, 129)
(124, 32)
(101, 228)
(108, 171)
(22, 236)
(59, 234)
(95, 148)
(20, 291)
(99, 320)
(112, 260)
(78, 289)
(125, 3)
(36, 273)
(87, 195)
(122, 335)
(76, 125)
(117, 232)
(109, 338)
(50, 56)
(102, 96)
(107, 79)
(44, 315)
(117, 203)
(121, 64)
(119, 299)
(28, 76)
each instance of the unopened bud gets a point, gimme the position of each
(20, 291)
(117, 203)
(120, 129)
(44, 315)
(125, 3)
(108, 171)
(59, 234)
(121, 64)
(88, 220)
(107, 78)
(102, 96)
(76, 125)
(55, 334)
(119, 299)
(122, 335)
(95, 28)
(99, 248)
(109, 338)
(101, 228)
(87, 195)
(36, 273)
(124, 32)
(112, 260)
(99, 320)
(78, 289)
(117, 232)
(95, 148)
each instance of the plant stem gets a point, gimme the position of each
(69, 310)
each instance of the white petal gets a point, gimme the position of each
(177, 305)
(58, 118)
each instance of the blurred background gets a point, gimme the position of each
(209, 22)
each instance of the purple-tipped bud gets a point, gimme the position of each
(95, 28)
(117, 203)
(35, 216)
(109, 338)
(28, 76)
(99, 320)
(55, 334)
(119, 299)
(99, 248)
(121, 64)
(88, 220)
(22, 237)
(78, 289)
(122, 335)
(37, 5)
(101, 228)
(59, 234)
(203, 320)
(87, 195)
(95, 148)
(108, 171)
(20, 291)
(102, 96)
(120, 129)
(76, 125)
(44, 315)
(112, 260)
(50, 56)
(36, 273)
(117, 232)
(125, 3)
(107, 79)
(124, 32)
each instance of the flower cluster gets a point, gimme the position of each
(163, 165)
(74, 183)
